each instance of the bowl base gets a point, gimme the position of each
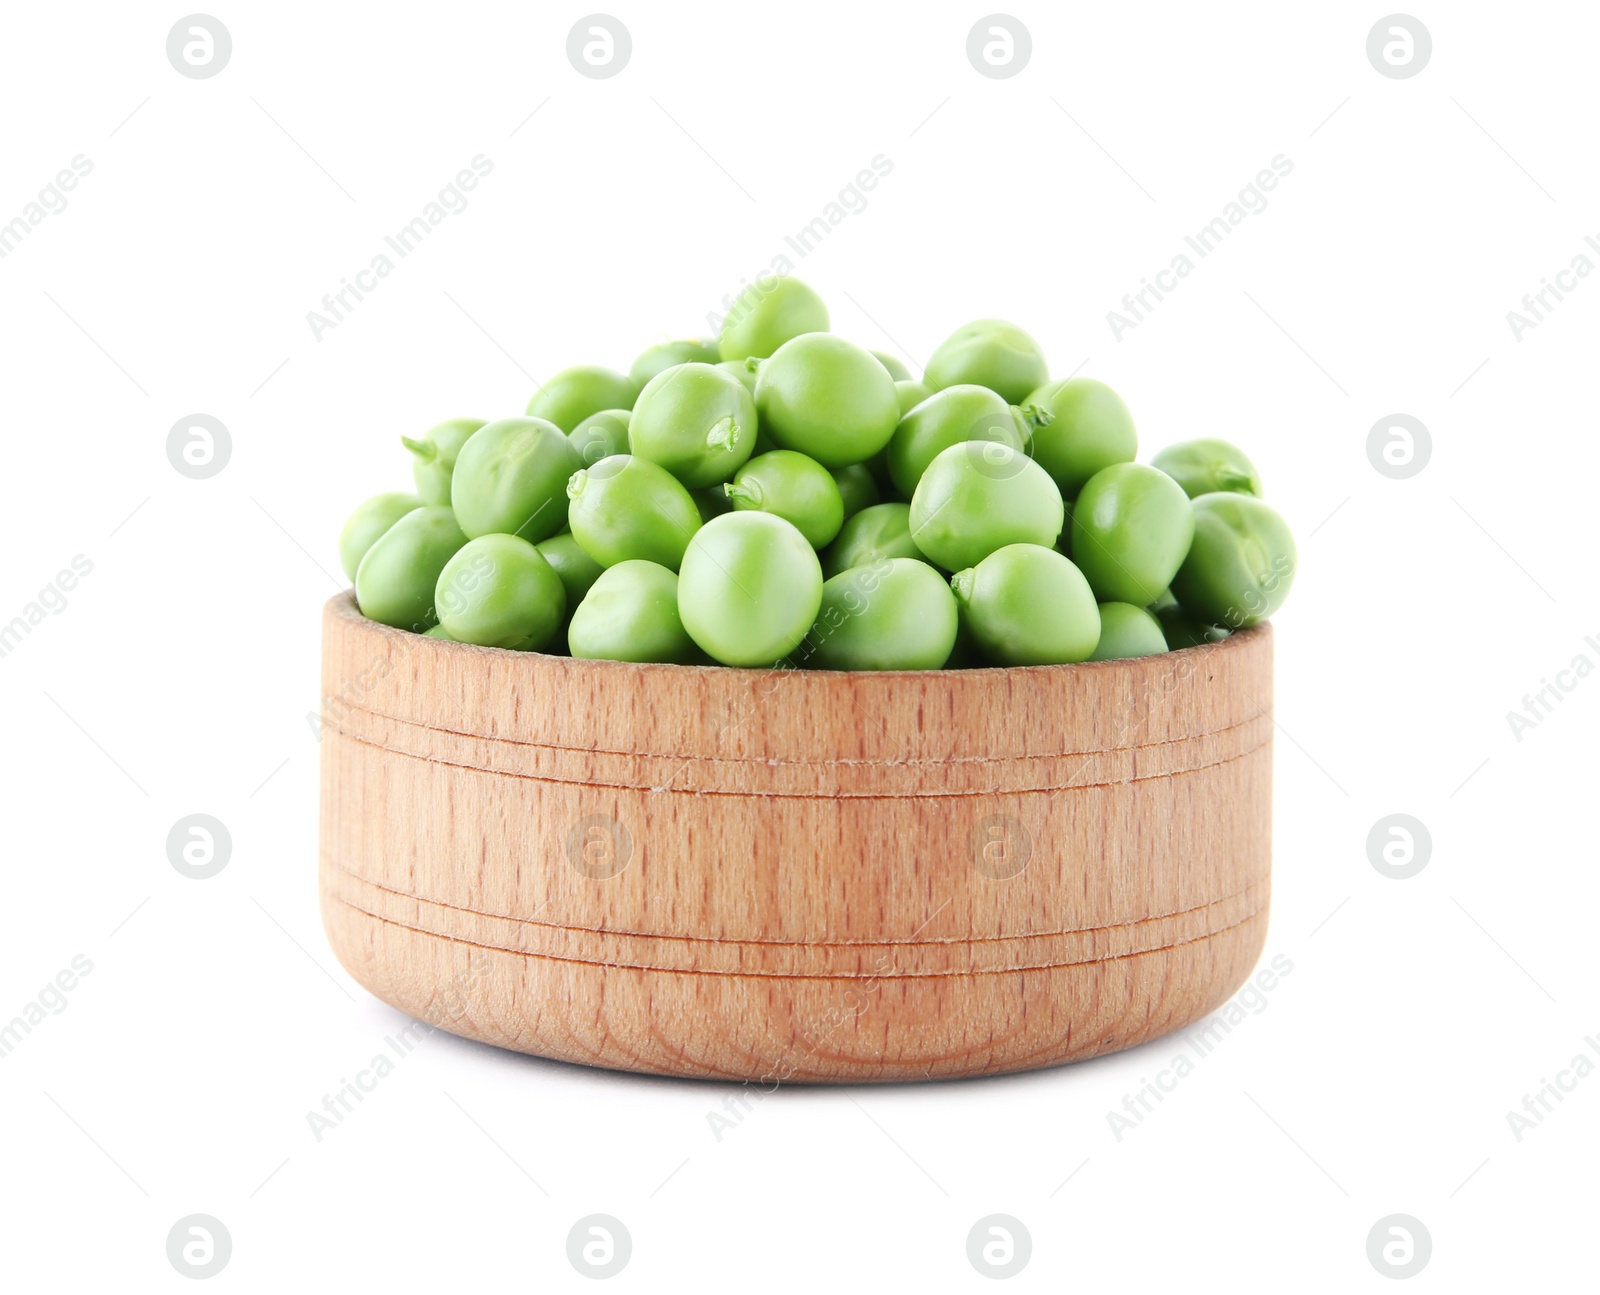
(769, 1030)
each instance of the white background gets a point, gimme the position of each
(179, 675)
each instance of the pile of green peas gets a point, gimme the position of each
(781, 496)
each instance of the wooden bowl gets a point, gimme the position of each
(781, 875)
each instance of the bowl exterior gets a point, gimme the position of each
(794, 876)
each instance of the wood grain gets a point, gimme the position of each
(794, 875)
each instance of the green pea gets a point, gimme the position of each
(696, 421)
(897, 370)
(825, 397)
(1029, 419)
(857, 488)
(627, 507)
(712, 501)
(511, 478)
(981, 496)
(1207, 465)
(599, 436)
(435, 456)
(1128, 631)
(948, 417)
(396, 579)
(1131, 527)
(990, 353)
(1162, 603)
(498, 591)
(663, 355)
(575, 393)
(749, 588)
(1088, 428)
(871, 536)
(575, 568)
(744, 370)
(1241, 564)
(368, 522)
(438, 632)
(767, 314)
(1184, 631)
(896, 615)
(631, 614)
(1027, 605)
(791, 486)
(910, 394)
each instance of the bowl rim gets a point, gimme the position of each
(343, 605)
